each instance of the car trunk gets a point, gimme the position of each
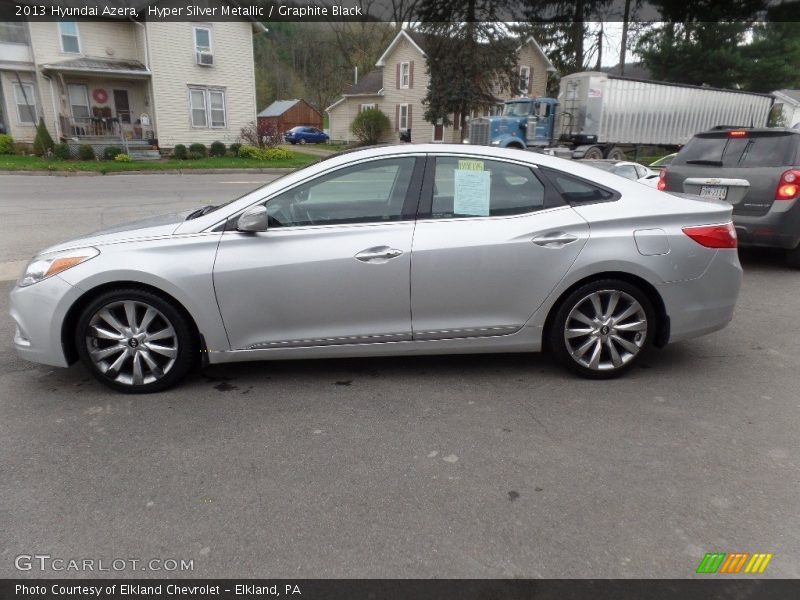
(742, 168)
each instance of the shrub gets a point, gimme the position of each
(369, 126)
(179, 152)
(86, 152)
(42, 143)
(261, 135)
(235, 148)
(266, 154)
(6, 144)
(217, 149)
(61, 151)
(111, 152)
(122, 157)
(199, 149)
(195, 155)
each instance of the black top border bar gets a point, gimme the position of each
(265, 11)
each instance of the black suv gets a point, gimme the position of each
(757, 170)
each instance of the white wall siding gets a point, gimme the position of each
(174, 67)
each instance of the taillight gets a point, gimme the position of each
(662, 180)
(737, 134)
(713, 236)
(788, 186)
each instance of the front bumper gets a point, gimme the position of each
(39, 311)
(779, 228)
(704, 304)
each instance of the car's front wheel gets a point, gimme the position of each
(135, 341)
(302, 140)
(602, 328)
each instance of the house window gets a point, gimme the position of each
(13, 33)
(364, 107)
(402, 122)
(79, 101)
(70, 42)
(524, 79)
(202, 39)
(405, 74)
(207, 107)
(26, 103)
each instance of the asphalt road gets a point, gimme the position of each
(464, 466)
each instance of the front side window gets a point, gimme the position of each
(373, 192)
(26, 103)
(202, 39)
(474, 187)
(70, 41)
(207, 107)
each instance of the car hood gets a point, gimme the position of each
(158, 226)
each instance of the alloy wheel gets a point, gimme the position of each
(131, 342)
(605, 330)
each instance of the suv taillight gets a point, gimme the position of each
(788, 186)
(662, 180)
(713, 236)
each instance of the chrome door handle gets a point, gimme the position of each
(558, 239)
(378, 254)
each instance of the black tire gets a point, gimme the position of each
(181, 339)
(793, 257)
(607, 334)
(302, 140)
(593, 153)
(616, 154)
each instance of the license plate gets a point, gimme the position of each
(715, 192)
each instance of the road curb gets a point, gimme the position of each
(272, 171)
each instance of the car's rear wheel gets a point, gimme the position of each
(135, 341)
(616, 154)
(602, 328)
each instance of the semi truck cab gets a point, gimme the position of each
(524, 123)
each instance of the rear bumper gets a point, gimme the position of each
(779, 228)
(705, 304)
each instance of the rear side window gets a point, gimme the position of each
(466, 187)
(575, 190)
(754, 150)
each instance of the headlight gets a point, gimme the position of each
(496, 143)
(47, 265)
(465, 141)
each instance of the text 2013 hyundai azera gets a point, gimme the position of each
(412, 249)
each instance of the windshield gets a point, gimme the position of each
(756, 149)
(516, 109)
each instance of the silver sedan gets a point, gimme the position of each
(412, 249)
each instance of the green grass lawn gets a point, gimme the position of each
(35, 163)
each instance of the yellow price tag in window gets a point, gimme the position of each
(470, 165)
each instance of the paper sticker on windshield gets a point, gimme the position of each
(470, 165)
(472, 189)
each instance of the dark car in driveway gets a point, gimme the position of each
(757, 171)
(305, 135)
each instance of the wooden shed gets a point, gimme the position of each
(286, 114)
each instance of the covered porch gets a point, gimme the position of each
(103, 102)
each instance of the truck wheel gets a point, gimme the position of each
(616, 154)
(593, 153)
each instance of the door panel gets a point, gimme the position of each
(122, 106)
(488, 252)
(333, 266)
(304, 286)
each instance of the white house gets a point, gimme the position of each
(125, 82)
(788, 103)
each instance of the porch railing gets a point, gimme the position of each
(91, 127)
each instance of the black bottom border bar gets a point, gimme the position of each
(405, 589)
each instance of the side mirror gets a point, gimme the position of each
(253, 219)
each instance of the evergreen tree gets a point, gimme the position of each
(43, 141)
(470, 57)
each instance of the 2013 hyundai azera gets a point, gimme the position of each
(410, 249)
